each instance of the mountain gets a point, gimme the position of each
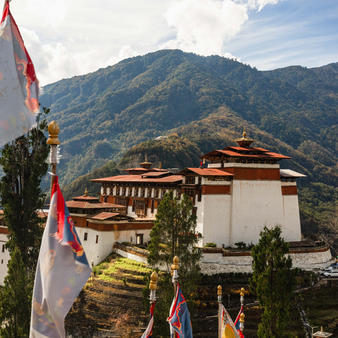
(103, 114)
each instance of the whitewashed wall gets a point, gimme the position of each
(255, 204)
(97, 252)
(4, 258)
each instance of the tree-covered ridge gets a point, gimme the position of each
(104, 113)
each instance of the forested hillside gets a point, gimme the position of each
(204, 103)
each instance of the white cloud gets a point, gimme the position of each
(73, 37)
(204, 26)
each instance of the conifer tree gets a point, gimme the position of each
(24, 164)
(15, 299)
(273, 282)
(174, 234)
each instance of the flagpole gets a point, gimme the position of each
(241, 318)
(174, 270)
(219, 300)
(53, 141)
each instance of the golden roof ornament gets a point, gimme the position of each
(244, 141)
(219, 290)
(53, 130)
(85, 192)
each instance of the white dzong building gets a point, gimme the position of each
(242, 190)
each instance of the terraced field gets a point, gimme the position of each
(111, 304)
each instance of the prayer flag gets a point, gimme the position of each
(237, 322)
(61, 272)
(179, 316)
(19, 87)
(149, 331)
(228, 329)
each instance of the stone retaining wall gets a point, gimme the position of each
(216, 262)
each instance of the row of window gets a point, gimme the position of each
(137, 192)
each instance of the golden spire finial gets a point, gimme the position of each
(176, 262)
(242, 292)
(241, 318)
(244, 141)
(53, 130)
(85, 192)
(153, 281)
(219, 290)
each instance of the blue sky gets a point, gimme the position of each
(73, 37)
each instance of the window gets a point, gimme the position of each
(139, 239)
(149, 192)
(123, 191)
(3, 247)
(156, 193)
(97, 239)
(85, 237)
(152, 206)
(142, 192)
(2, 261)
(190, 180)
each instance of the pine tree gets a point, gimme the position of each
(24, 164)
(15, 303)
(174, 234)
(273, 282)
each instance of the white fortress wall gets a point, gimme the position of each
(4, 258)
(216, 211)
(255, 204)
(216, 219)
(97, 252)
(291, 225)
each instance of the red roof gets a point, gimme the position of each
(209, 172)
(105, 215)
(140, 179)
(137, 169)
(155, 174)
(248, 152)
(85, 198)
(87, 205)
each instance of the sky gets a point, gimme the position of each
(72, 37)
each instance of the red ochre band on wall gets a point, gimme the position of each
(215, 189)
(289, 190)
(254, 173)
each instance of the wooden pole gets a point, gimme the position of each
(53, 141)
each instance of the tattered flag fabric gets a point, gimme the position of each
(19, 87)
(228, 329)
(179, 316)
(61, 273)
(237, 322)
(149, 330)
